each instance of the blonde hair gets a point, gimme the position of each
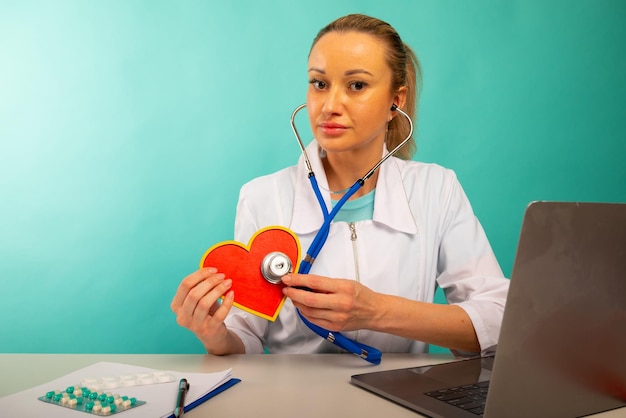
(405, 69)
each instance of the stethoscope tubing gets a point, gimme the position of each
(368, 353)
(320, 238)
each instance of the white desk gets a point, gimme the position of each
(272, 385)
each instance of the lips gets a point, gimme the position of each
(332, 128)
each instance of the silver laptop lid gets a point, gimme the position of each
(562, 346)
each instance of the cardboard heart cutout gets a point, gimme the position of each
(242, 264)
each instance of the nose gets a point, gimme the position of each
(333, 101)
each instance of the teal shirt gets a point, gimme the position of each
(360, 209)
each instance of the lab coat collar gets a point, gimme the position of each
(391, 206)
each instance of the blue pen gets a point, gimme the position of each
(183, 387)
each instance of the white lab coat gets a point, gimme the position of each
(423, 233)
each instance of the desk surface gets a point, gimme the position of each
(272, 385)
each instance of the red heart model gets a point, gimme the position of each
(242, 264)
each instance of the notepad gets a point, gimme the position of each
(159, 397)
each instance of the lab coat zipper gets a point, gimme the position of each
(355, 254)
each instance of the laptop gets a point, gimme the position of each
(562, 346)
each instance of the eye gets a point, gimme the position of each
(357, 85)
(317, 84)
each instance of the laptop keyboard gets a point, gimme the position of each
(471, 398)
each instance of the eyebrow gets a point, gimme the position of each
(348, 73)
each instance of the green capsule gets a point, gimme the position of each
(89, 406)
(133, 401)
(113, 408)
(58, 397)
(50, 395)
(79, 401)
(102, 397)
(93, 395)
(70, 389)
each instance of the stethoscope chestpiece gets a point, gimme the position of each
(274, 266)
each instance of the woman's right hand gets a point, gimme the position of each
(197, 309)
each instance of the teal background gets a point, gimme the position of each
(127, 128)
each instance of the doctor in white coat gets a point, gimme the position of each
(409, 229)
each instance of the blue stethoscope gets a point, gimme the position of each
(371, 354)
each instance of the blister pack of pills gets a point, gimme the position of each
(126, 380)
(95, 402)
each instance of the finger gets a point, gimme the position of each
(227, 303)
(309, 282)
(321, 317)
(309, 298)
(186, 310)
(189, 283)
(200, 301)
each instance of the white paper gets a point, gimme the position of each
(160, 398)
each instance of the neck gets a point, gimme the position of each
(342, 171)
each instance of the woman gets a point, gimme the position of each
(409, 228)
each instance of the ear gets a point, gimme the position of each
(399, 99)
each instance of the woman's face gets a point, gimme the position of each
(349, 96)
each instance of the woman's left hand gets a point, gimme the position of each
(334, 304)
